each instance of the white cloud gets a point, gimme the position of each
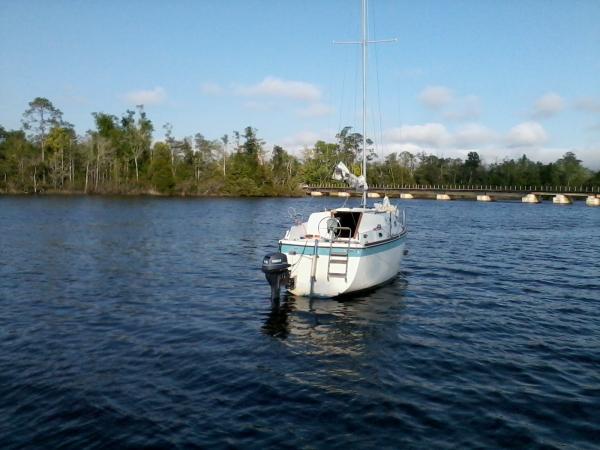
(432, 134)
(436, 97)
(526, 134)
(464, 108)
(210, 88)
(303, 138)
(548, 105)
(434, 138)
(306, 139)
(276, 87)
(588, 104)
(444, 101)
(315, 110)
(146, 97)
(396, 147)
(590, 155)
(473, 135)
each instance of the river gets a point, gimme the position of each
(146, 322)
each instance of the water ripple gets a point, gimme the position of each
(145, 323)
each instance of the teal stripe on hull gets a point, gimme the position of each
(309, 248)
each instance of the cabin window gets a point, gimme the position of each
(348, 219)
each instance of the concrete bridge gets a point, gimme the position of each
(527, 194)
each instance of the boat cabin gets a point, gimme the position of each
(364, 225)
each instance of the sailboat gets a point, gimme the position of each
(343, 250)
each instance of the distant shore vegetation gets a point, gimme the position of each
(119, 156)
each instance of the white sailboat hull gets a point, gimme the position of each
(367, 266)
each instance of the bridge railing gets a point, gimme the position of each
(467, 187)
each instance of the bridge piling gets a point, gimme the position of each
(527, 194)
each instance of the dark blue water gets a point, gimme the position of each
(131, 323)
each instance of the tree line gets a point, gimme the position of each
(119, 156)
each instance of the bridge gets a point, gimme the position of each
(527, 193)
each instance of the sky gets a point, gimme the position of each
(500, 78)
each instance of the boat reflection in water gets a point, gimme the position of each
(342, 325)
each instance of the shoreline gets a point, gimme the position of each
(157, 195)
(150, 194)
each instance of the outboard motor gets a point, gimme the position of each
(275, 267)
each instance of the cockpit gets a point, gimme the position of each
(348, 220)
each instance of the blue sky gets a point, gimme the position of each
(502, 78)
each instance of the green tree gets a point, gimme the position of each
(160, 169)
(206, 150)
(319, 162)
(252, 146)
(248, 175)
(108, 148)
(350, 149)
(285, 170)
(60, 142)
(391, 171)
(429, 169)
(571, 172)
(17, 161)
(594, 179)
(471, 168)
(39, 118)
(137, 135)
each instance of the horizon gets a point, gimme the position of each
(526, 85)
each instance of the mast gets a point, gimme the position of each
(364, 91)
(364, 42)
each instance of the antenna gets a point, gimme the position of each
(364, 42)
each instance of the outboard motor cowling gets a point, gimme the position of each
(275, 267)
